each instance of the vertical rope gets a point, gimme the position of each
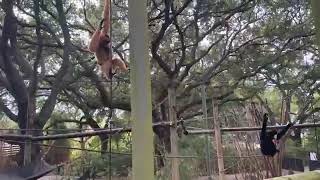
(110, 149)
(111, 93)
(110, 28)
(110, 128)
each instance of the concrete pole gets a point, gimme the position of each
(315, 5)
(141, 107)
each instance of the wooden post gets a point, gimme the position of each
(173, 134)
(217, 135)
(141, 107)
(206, 123)
(82, 146)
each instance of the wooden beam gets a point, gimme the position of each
(245, 129)
(16, 137)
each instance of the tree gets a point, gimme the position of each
(237, 48)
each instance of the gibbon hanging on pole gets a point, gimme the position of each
(269, 140)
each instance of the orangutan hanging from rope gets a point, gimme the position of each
(100, 44)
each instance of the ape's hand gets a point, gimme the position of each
(265, 116)
(101, 24)
(290, 124)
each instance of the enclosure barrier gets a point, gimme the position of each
(247, 129)
(94, 132)
(312, 175)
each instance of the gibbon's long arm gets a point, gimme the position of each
(102, 33)
(106, 17)
(264, 127)
(283, 131)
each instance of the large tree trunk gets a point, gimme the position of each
(297, 137)
(163, 132)
(8, 53)
(104, 144)
(162, 142)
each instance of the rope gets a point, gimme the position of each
(110, 27)
(111, 75)
(111, 91)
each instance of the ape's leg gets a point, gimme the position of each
(283, 131)
(106, 69)
(118, 64)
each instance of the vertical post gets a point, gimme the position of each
(27, 152)
(217, 134)
(173, 134)
(206, 121)
(315, 5)
(141, 107)
(82, 145)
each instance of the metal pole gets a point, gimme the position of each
(141, 106)
(205, 116)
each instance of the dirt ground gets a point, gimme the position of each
(227, 177)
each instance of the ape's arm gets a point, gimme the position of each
(283, 131)
(106, 17)
(102, 33)
(264, 126)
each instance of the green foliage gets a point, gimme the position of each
(274, 100)
(296, 151)
(312, 140)
(6, 123)
(98, 165)
(57, 151)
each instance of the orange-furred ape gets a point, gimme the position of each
(100, 44)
